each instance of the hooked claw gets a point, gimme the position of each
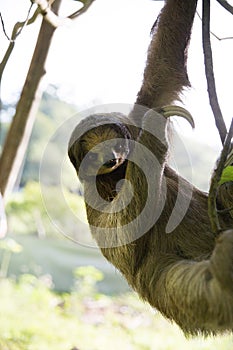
(171, 110)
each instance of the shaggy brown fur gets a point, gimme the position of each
(186, 274)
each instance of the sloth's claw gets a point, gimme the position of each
(172, 110)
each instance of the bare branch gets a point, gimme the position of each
(86, 5)
(3, 28)
(212, 33)
(55, 20)
(18, 136)
(48, 14)
(15, 32)
(219, 121)
(25, 23)
(223, 211)
(212, 208)
(226, 5)
(221, 39)
(19, 26)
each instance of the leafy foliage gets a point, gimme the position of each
(227, 175)
(52, 112)
(27, 214)
(34, 317)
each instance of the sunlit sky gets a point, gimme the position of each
(100, 57)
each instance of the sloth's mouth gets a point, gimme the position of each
(111, 163)
(116, 167)
(112, 178)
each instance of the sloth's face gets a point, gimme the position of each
(101, 151)
(105, 157)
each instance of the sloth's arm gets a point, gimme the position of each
(196, 295)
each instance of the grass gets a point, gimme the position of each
(58, 258)
(33, 317)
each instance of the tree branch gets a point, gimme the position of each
(86, 5)
(55, 20)
(219, 121)
(45, 9)
(215, 35)
(3, 27)
(18, 27)
(226, 5)
(19, 133)
(212, 208)
(48, 14)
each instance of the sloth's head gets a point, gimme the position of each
(102, 148)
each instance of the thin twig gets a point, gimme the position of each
(223, 211)
(25, 23)
(221, 39)
(3, 27)
(212, 208)
(86, 5)
(212, 33)
(219, 121)
(19, 26)
(15, 32)
(226, 5)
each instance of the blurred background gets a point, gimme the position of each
(56, 293)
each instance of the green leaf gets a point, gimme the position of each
(227, 175)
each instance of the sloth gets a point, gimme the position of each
(183, 270)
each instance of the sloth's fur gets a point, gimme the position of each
(186, 274)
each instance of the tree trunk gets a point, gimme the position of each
(18, 136)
